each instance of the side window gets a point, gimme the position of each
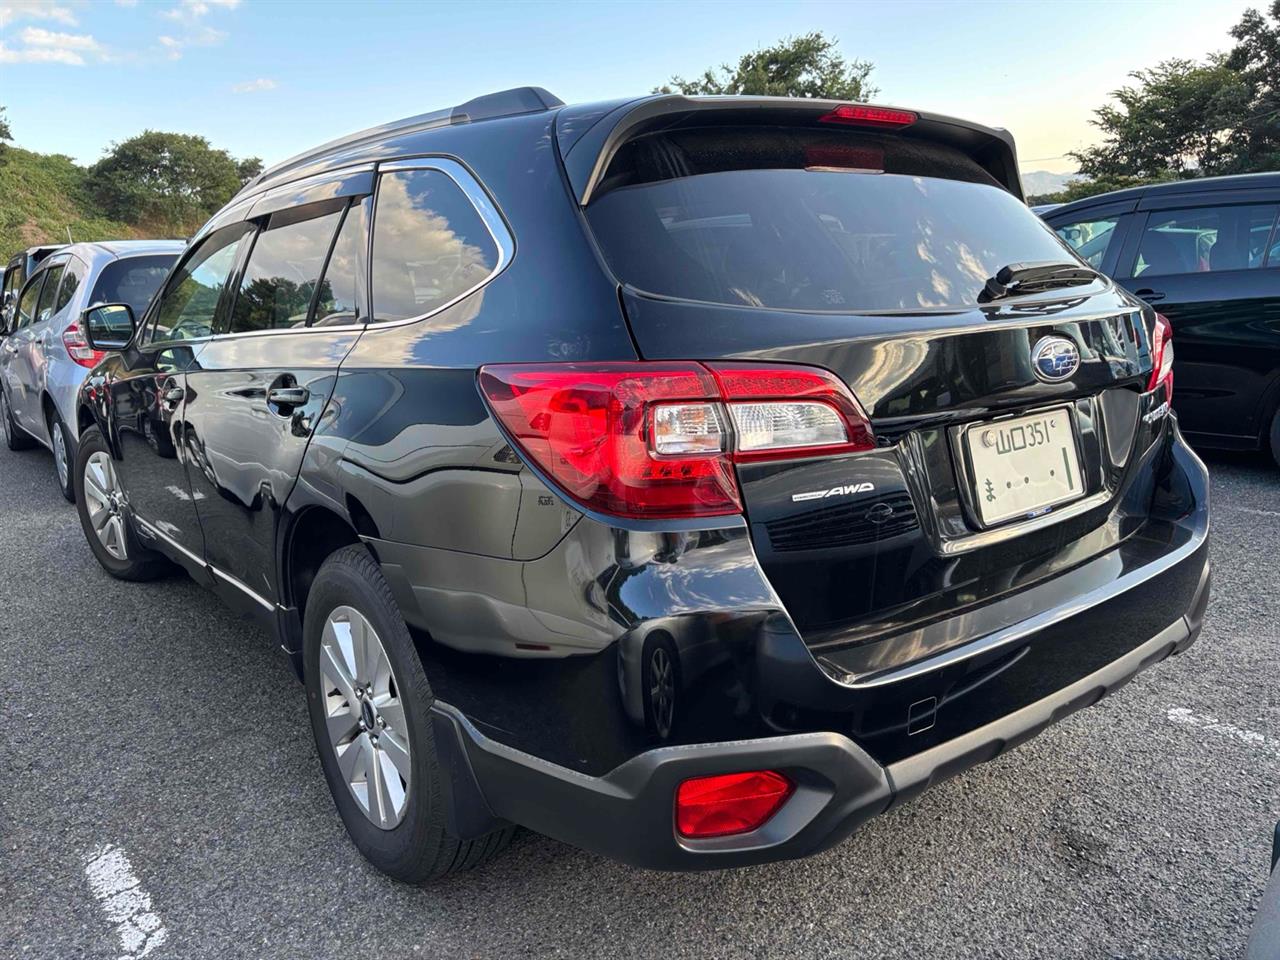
(341, 297)
(27, 305)
(430, 244)
(71, 280)
(1205, 240)
(284, 269)
(44, 307)
(190, 299)
(1090, 239)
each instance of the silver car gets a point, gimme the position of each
(45, 356)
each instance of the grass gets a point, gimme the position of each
(41, 196)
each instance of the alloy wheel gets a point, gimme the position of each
(365, 716)
(662, 691)
(104, 500)
(60, 454)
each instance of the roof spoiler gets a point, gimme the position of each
(590, 136)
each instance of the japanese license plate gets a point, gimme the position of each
(1024, 465)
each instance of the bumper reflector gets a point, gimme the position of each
(729, 803)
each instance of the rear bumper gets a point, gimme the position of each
(626, 814)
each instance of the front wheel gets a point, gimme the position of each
(370, 705)
(100, 502)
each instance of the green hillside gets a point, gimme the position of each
(41, 195)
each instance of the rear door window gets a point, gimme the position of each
(284, 269)
(430, 245)
(804, 220)
(44, 307)
(342, 291)
(27, 305)
(1205, 240)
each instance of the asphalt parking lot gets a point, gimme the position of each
(160, 792)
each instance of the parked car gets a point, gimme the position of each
(1207, 254)
(20, 266)
(45, 357)
(687, 479)
(1264, 939)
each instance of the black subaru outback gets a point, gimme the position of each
(687, 479)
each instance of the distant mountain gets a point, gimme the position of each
(1039, 182)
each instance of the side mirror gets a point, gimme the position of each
(108, 326)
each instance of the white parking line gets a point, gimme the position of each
(126, 904)
(1185, 717)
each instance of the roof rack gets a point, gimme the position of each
(490, 106)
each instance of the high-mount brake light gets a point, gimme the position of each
(659, 439)
(729, 803)
(860, 114)
(78, 348)
(1162, 356)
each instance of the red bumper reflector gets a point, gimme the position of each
(729, 803)
(862, 115)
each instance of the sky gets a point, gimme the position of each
(269, 78)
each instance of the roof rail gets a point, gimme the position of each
(505, 103)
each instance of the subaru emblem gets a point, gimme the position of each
(1055, 359)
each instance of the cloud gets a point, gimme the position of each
(49, 46)
(189, 11)
(40, 37)
(126, 3)
(11, 10)
(201, 36)
(253, 86)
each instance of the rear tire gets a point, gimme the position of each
(106, 525)
(15, 438)
(1275, 438)
(64, 456)
(369, 700)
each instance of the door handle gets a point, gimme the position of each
(288, 396)
(174, 395)
(1149, 295)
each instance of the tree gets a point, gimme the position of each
(5, 133)
(1180, 119)
(804, 66)
(165, 180)
(248, 168)
(1256, 56)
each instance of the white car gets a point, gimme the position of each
(45, 356)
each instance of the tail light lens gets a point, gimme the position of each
(78, 348)
(860, 114)
(1162, 356)
(659, 439)
(729, 803)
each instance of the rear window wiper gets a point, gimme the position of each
(1016, 278)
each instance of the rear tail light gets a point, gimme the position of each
(730, 803)
(860, 114)
(78, 348)
(659, 439)
(1162, 356)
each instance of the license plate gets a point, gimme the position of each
(1023, 466)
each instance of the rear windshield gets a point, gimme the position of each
(801, 220)
(133, 280)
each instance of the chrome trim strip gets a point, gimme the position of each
(261, 600)
(485, 206)
(1023, 629)
(222, 575)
